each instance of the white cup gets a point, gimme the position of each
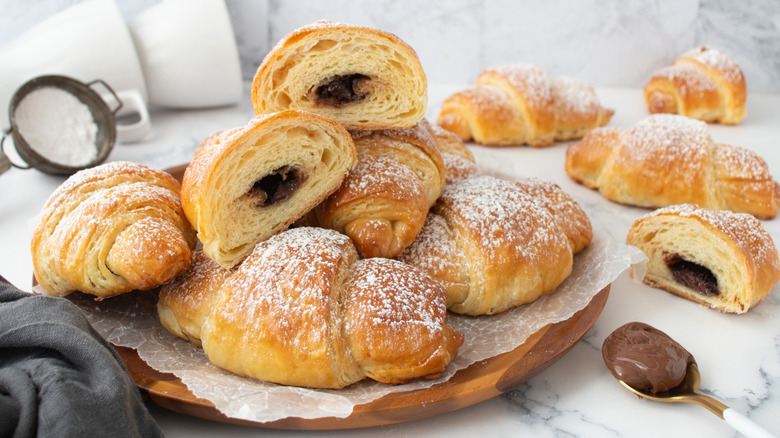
(87, 41)
(188, 53)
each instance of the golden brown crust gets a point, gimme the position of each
(380, 294)
(383, 202)
(302, 310)
(185, 302)
(520, 104)
(391, 92)
(736, 261)
(112, 229)
(668, 159)
(245, 184)
(459, 162)
(703, 83)
(496, 244)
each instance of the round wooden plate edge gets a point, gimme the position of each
(476, 383)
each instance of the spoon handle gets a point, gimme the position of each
(745, 425)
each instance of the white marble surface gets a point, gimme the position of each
(607, 43)
(738, 355)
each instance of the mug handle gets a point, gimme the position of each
(133, 105)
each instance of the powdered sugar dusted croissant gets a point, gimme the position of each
(363, 78)
(496, 244)
(703, 83)
(669, 159)
(519, 104)
(245, 184)
(383, 202)
(303, 310)
(111, 229)
(723, 260)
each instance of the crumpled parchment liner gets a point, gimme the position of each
(130, 320)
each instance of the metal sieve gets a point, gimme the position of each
(105, 119)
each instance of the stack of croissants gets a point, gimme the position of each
(325, 241)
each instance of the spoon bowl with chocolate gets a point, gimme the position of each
(654, 366)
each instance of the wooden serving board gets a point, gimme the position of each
(476, 383)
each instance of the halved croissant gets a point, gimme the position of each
(668, 159)
(303, 310)
(703, 83)
(111, 229)
(245, 184)
(720, 259)
(519, 104)
(363, 78)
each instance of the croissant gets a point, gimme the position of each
(459, 162)
(383, 202)
(495, 244)
(112, 229)
(363, 78)
(519, 104)
(246, 184)
(302, 310)
(720, 259)
(668, 159)
(703, 83)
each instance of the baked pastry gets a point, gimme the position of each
(459, 161)
(185, 302)
(703, 83)
(723, 260)
(112, 229)
(519, 104)
(363, 78)
(667, 159)
(248, 183)
(383, 202)
(495, 244)
(302, 310)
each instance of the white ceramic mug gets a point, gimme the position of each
(87, 41)
(188, 53)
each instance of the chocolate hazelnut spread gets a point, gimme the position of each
(341, 90)
(645, 358)
(693, 275)
(276, 186)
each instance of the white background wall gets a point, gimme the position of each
(614, 43)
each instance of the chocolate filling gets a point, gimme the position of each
(276, 186)
(693, 275)
(342, 90)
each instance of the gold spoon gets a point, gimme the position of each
(686, 392)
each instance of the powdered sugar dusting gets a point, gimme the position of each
(287, 279)
(669, 140)
(382, 175)
(393, 296)
(692, 80)
(532, 82)
(490, 206)
(716, 60)
(575, 96)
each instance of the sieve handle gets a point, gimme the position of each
(5, 162)
(110, 90)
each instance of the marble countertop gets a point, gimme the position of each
(738, 355)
